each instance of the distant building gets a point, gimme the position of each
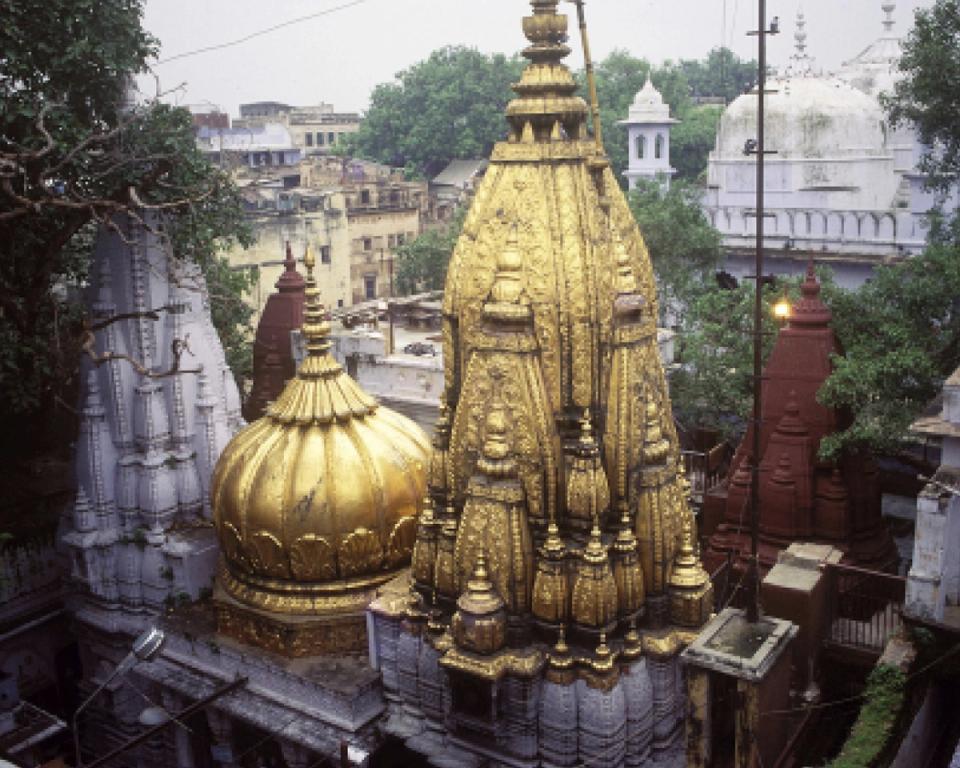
(314, 130)
(648, 136)
(266, 146)
(454, 185)
(842, 185)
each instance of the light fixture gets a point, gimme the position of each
(154, 716)
(144, 648)
(782, 309)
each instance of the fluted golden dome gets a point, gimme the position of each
(316, 503)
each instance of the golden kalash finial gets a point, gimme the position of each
(691, 592)
(594, 599)
(588, 492)
(627, 571)
(604, 660)
(551, 587)
(316, 329)
(480, 623)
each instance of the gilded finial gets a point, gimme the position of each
(603, 657)
(560, 657)
(316, 329)
(632, 645)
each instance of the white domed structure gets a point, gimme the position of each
(840, 183)
(648, 136)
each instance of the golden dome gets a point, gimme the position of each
(316, 503)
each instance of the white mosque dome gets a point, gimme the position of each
(807, 117)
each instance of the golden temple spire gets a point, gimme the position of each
(546, 105)
(316, 329)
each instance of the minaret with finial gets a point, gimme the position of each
(801, 63)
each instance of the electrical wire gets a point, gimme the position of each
(261, 32)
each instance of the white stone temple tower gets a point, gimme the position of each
(648, 136)
(139, 536)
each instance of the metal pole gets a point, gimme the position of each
(181, 715)
(753, 605)
(124, 666)
(591, 77)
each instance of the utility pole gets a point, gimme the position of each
(753, 598)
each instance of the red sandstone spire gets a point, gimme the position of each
(801, 497)
(273, 363)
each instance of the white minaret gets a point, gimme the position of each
(648, 136)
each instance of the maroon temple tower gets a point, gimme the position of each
(802, 498)
(273, 362)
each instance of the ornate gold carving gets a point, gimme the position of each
(326, 486)
(360, 552)
(594, 601)
(400, 543)
(266, 555)
(312, 559)
(327, 635)
(480, 623)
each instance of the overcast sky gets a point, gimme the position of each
(339, 57)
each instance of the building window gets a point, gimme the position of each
(658, 147)
(370, 286)
(401, 239)
(319, 139)
(309, 138)
(364, 196)
(339, 302)
(641, 146)
(331, 139)
(391, 241)
(324, 254)
(367, 244)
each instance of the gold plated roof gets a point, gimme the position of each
(317, 501)
(559, 453)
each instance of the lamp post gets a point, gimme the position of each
(145, 647)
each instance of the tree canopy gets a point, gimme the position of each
(683, 246)
(928, 95)
(73, 153)
(449, 106)
(422, 262)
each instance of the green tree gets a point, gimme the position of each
(901, 330)
(721, 75)
(713, 385)
(928, 95)
(683, 246)
(692, 140)
(901, 337)
(449, 106)
(72, 155)
(422, 263)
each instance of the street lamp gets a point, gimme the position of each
(145, 647)
(782, 310)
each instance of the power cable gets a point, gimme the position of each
(261, 32)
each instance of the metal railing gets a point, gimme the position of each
(864, 607)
